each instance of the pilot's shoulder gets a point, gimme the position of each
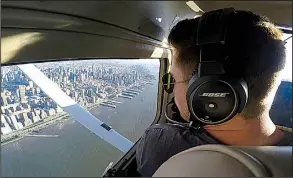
(163, 132)
(162, 128)
(156, 146)
(159, 137)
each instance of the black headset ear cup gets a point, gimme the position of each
(193, 83)
(241, 88)
(215, 99)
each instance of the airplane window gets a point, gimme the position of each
(281, 110)
(38, 138)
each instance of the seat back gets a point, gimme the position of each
(229, 161)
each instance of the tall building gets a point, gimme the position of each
(97, 90)
(83, 93)
(38, 90)
(76, 95)
(21, 93)
(31, 84)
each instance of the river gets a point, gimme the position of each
(73, 150)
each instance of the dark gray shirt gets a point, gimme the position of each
(160, 142)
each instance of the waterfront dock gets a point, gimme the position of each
(124, 96)
(107, 104)
(113, 101)
(128, 94)
(132, 90)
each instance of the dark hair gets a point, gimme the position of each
(255, 52)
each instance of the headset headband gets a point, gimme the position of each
(212, 26)
(211, 36)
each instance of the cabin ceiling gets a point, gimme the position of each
(132, 15)
(44, 30)
(279, 12)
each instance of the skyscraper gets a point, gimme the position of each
(22, 93)
(31, 84)
(3, 99)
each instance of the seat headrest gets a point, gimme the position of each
(229, 161)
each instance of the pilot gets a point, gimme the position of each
(260, 59)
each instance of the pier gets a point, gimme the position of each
(123, 96)
(109, 105)
(132, 90)
(113, 101)
(128, 94)
(107, 102)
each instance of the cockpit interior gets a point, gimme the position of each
(81, 81)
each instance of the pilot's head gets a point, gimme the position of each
(249, 35)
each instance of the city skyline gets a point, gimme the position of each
(89, 83)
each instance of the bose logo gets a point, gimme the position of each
(216, 95)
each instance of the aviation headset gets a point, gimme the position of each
(214, 97)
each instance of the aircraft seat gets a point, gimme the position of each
(229, 161)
